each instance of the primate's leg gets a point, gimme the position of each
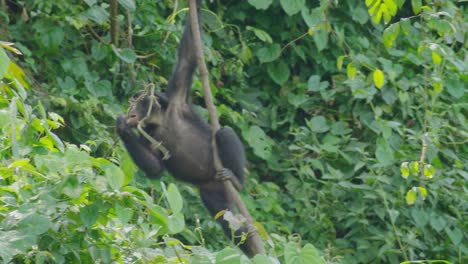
(215, 199)
(146, 159)
(232, 155)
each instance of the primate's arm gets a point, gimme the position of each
(146, 159)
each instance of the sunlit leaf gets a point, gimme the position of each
(379, 78)
(414, 167)
(351, 71)
(429, 171)
(411, 197)
(436, 58)
(404, 169)
(423, 192)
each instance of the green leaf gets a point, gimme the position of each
(423, 192)
(351, 71)
(318, 124)
(176, 223)
(414, 167)
(278, 72)
(52, 38)
(436, 58)
(384, 152)
(339, 62)
(307, 255)
(455, 87)
(4, 63)
(292, 7)
(97, 14)
(404, 169)
(411, 197)
(405, 25)
(126, 54)
(259, 141)
(269, 53)
(262, 35)
(89, 215)
(129, 5)
(228, 256)
(379, 78)
(34, 224)
(429, 171)
(115, 176)
(261, 4)
(174, 198)
(416, 5)
(390, 34)
(123, 213)
(456, 235)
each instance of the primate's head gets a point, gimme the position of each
(139, 107)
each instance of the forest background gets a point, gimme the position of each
(353, 114)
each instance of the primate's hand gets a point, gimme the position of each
(123, 129)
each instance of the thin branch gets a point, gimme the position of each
(114, 23)
(254, 243)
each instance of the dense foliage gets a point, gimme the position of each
(353, 114)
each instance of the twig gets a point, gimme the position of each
(113, 18)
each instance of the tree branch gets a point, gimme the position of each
(254, 243)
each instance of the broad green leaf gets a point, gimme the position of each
(34, 224)
(313, 84)
(404, 169)
(128, 5)
(292, 7)
(278, 72)
(390, 34)
(293, 254)
(52, 38)
(259, 142)
(115, 176)
(436, 58)
(89, 214)
(4, 63)
(379, 78)
(261, 4)
(438, 223)
(383, 152)
(174, 198)
(411, 197)
(318, 124)
(228, 256)
(429, 171)
(351, 71)
(456, 235)
(416, 5)
(269, 53)
(97, 14)
(123, 213)
(405, 25)
(455, 87)
(126, 54)
(176, 223)
(262, 35)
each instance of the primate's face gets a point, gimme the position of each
(140, 103)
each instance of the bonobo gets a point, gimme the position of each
(188, 138)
